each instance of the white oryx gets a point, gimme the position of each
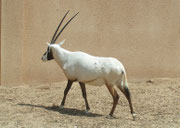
(85, 68)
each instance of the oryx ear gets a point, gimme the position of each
(61, 43)
(47, 43)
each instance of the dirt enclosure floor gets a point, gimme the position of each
(156, 103)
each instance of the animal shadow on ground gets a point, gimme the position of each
(67, 111)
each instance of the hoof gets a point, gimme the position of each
(134, 116)
(61, 107)
(87, 111)
(110, 117)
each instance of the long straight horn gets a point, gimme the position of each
(58, 27)
(64, 28)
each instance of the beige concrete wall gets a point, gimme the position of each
(11, 41)
(144, 35)
(0, 41)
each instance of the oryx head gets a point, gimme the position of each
(48, 55)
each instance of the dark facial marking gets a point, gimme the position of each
(49, 54)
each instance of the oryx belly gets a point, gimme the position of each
(96, 82)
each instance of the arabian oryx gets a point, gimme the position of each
(85, 68)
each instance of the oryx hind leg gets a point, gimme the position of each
(125, 90)
(115, 97)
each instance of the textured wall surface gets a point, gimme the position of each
(0, 42)
(11, 41)
(143, 35)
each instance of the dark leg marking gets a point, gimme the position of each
(83, 88)
(69, 84)
(128, 96)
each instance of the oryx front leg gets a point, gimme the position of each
(83, 88)
(115, 97)
(69, 84)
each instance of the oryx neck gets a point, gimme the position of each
(60, 55)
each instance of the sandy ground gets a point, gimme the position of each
(156, 102)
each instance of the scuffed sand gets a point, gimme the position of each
(156, 103)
